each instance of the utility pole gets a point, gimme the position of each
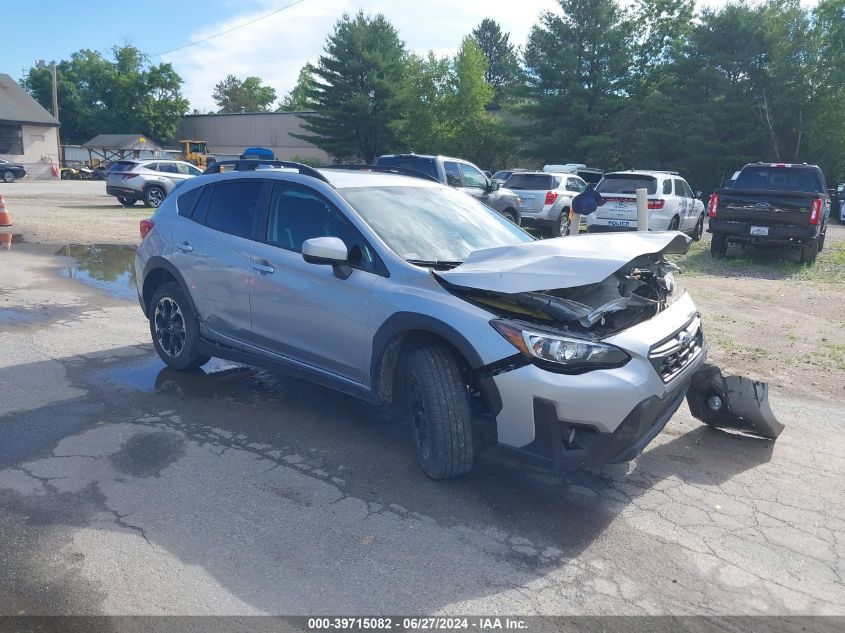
(56, 111)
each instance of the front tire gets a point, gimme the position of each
(154, 196)
(440, 413)
(719, 245)
(175, 329)
(8, 177)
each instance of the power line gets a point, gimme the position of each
(234, 28)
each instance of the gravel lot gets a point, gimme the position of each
(126, 488)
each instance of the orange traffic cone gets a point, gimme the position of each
(6, 241)
(5, 217)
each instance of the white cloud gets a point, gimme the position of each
(277, 47)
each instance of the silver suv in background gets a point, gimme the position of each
(461, 175)
(415, 297)
(546, 199)
(147, 180)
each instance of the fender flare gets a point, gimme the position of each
(405, 322)
(160, 263)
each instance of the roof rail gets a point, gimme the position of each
(249, 164)
(386, 169)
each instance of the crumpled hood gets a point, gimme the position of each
(564, 262)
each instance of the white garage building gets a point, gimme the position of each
(28, 133)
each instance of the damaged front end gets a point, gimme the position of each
(732, 402)
(635, 293)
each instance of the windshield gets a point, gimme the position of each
(433, 224)
(779, 179)
(626, 183)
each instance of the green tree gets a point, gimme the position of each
(249, 95)
(357, 87)
(503, 71)
(124, 94)
(297, 99)
(577, 66)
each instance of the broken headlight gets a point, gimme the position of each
(558, 352)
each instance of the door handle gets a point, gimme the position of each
(262, 266)
(185, 247)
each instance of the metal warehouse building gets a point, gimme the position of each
(28, 133)
(229, 134)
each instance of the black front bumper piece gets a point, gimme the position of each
(561, 445)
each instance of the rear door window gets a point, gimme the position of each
(679, 188)
(233, 206)
(531, 182)
(188, 201)
(627, 184)
(167, 168)
(453, 174)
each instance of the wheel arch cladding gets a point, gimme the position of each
(405, 331)
(159, 271)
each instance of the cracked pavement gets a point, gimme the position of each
(127, 488)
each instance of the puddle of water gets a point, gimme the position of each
(20, 316)
(217, 379)
(107, 267)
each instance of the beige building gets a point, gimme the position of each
(229, 134)
(28, 133)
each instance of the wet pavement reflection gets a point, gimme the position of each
(107, 267)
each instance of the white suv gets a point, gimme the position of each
(149, 180)
(672, 204)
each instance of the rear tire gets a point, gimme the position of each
(511, 216)
(809, 252)
(699, 229)
(9, 177)
(821, 238)
(674, 223)
(563, 227)
(175, 329)
(154, 196)
(719, 245)
(126, 201)
(441, 423)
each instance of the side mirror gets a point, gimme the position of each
(328, 250)
(493, 185)
(698, 194)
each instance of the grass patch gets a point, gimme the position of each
(832, 357)
(765, 263)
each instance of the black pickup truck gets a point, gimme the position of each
(774, 204)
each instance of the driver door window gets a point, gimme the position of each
(298, 213)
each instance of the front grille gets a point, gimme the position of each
(670, 356)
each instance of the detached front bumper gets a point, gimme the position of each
(604, 416)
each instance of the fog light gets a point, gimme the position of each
(714, 403)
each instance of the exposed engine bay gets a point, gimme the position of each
(635, 293)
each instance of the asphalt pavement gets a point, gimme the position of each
(127, 488)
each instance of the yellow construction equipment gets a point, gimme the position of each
(195, 152)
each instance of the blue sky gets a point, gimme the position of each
(274, 48)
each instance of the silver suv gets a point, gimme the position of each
(147, 180)
(413, 296)
(546, 199)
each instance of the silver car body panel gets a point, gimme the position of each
(558, 262)
(602, 398)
